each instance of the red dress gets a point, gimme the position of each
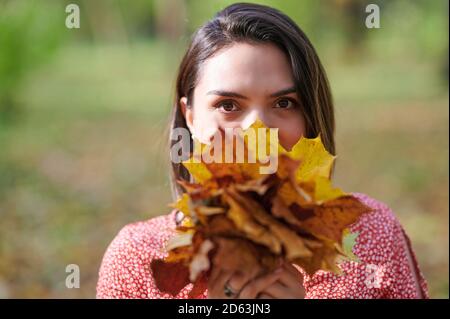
(387, 266)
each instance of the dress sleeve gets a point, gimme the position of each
(404, 277)
(386, 267)
(122, 273)
(125, 271)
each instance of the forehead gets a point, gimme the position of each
(244, 67)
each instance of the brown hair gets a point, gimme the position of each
(254, 23)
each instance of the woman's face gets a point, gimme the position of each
(241, 83)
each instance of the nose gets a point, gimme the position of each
(252, 116)
(249, 119)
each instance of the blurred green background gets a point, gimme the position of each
(83, 113)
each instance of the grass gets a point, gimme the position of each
(87, 156)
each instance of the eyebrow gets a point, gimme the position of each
(240, 96)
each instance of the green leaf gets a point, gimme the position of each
(348, 241)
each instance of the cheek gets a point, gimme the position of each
(204, 123)
(291, 130)
(201, 113)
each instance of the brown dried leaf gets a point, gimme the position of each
(329, 220)
(243, 255)
(291, 242)
(245, 222)
(170, 277)
(324, 258)
(200, 285)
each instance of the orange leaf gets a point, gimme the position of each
(291, 242)
(329, 220)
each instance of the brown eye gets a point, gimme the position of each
(227, 107)
(284, 104)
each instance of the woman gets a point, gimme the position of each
(253, 61)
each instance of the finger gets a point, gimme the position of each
(264, 296)
(292, 269)
(216, 287)
(252, 289)
(213, 278)
(279, 291)
(289, 267)
(215, 273)
(222, 280)
(291, 276)
(238, 280)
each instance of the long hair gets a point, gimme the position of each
(254, 23)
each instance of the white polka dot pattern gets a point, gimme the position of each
(383, 270)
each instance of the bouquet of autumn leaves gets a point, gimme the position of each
(293, 214)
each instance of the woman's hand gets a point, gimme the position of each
(288, 286)
(283, 283)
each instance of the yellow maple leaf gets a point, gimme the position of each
(182, 204)
(198, 170)
(292, 214)
(314, 159)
